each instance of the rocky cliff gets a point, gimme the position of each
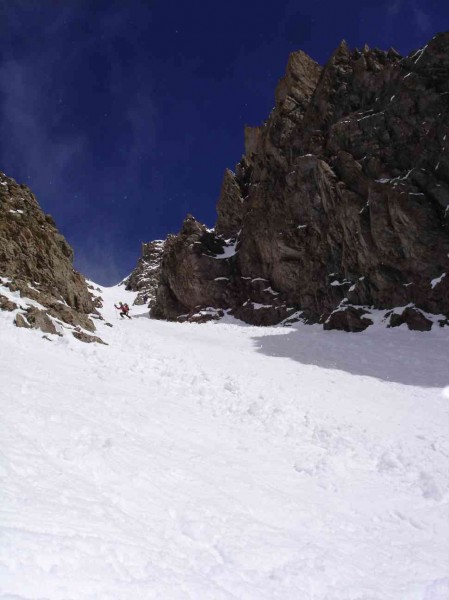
(145, 277)
(39, 285)
(340, 203)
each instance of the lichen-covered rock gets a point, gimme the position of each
(37, 262)
(342, 194)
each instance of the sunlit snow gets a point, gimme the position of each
(224, 462)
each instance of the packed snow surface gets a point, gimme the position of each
(223, 462)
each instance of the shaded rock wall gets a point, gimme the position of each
(341, 198)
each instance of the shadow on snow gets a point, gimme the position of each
(401, 356)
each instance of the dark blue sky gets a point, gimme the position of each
(122, 115)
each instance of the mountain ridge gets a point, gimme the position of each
(339, 203)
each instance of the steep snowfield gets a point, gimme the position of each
(221, 461)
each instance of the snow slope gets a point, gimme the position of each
(223, 462)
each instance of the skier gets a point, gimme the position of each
(124, 309)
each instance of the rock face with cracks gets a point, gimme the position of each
(36, 264)
(341, 199)
(145, 277)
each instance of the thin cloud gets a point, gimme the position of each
(410, 11)
(98, 258)
(422, 20)
(395, 7)
(24, 114)
(103, 257)
(25, 122)
(140, 116)
(55, 157)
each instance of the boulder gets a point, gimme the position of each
(413, 317)
(38, 319)
(202, 316)
(6, 304)
(86, 338)
(20, 321)
(348, 319)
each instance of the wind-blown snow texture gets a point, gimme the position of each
(221, 462)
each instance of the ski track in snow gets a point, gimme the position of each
(223, 462)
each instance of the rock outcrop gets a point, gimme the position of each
(413, 317)
(194, 273)
(341, 200)
(145, 277)
(36, 267)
